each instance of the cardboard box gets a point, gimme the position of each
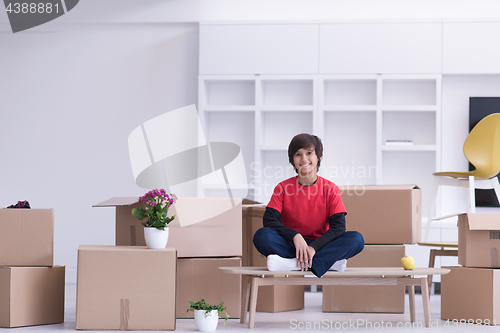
(381, 299)
(278, 298)
(479, 240)
(273, 299)
(471, 293)
(384, 214)
(251, 222)
(26, 237)
(31, 296)
(199, 278)
(125, 288)
(213, 224)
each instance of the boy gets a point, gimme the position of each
(304, 222)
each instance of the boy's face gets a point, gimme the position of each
(306, 161)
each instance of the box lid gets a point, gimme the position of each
(250, 202)
(478, 221)
(382, 187)
(117, 201)
(127, 201)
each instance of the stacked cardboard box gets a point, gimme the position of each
(31, 288)
(202, 244)
(471, 293)
(270, 298)
(388, 217)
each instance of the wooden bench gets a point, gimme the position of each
(260, 276)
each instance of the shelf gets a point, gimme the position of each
(278, 130)
(229, 108)
(349, 147)
(287, 92)
(409, 108)
(409, 148)
(353, 108)
(350, 92)
(353, 115)
(229, 92)
(419, 127)
(409, 92)
(288, 108)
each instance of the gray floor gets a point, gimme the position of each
(311, 318)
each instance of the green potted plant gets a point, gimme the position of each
(155, 209)
(206, 316)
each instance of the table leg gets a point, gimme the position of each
(253, 300)
(425, 301)
(245, 293)
(432, 259)
(411, 294)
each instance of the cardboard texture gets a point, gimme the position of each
(199, 278)
(273, 299)
(125, 288)
(384, 214)
(471, 293)
(26, 237)
(373, 299)
(31, 296)
(218, 236)
(251, 222)
(479, 240)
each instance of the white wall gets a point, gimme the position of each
(69, 99)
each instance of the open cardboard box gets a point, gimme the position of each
(204, 227)
(26, 237)
(31, 296)
(384, 214)
(377, 299)
(479, 240)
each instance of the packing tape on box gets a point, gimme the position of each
(494, 257)
(124, 314)
(170, 151)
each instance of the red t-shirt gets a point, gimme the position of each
(306, 209)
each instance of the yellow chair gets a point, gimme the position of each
(482, 149)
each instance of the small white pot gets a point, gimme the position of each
(207, 324)
(155, 238)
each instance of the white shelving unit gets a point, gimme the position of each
(354, 115)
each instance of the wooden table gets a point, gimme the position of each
(260, 276)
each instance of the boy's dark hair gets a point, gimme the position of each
(304, 141)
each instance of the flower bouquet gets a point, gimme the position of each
(155, 208)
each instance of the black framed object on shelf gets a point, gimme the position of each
(480, 107)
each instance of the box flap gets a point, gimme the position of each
(117, 201)
(359, 188)
(250, 202)
(483, 221)
(127, 201)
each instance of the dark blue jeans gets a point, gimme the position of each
(268, 241)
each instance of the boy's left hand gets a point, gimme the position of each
(304, 253)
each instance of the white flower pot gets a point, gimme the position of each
(207, 324)
(155, 238)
